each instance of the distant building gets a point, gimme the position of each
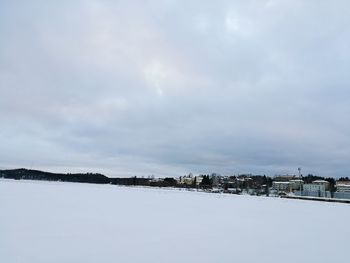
(309, 188)
(281, 186)
(343, 190)
(190, 179)
(318, 188)
(198, 179)
(343, 186)
(287, 186)
(296, 184)
(322, 182)
(187, 180)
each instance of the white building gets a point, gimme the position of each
(322, 182)
(318, 188)
(343, 186)
(190, 179)
(314, 188)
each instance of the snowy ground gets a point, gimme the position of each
(42, 222)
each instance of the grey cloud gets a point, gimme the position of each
(169, 87)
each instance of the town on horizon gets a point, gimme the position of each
(291, 186)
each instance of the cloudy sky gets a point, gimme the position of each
(169, 87)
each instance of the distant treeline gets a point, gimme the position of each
(94, 178)
(26, 174)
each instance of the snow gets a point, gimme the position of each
(43, 222)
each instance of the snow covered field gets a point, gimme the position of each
(43, 222)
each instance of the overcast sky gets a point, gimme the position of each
(170, 87)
